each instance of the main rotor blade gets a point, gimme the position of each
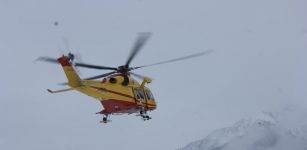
(53, 60)
(94, 66)
(177, 59)
(100, 76)
(138, 76)
(137, 46)
(47, 59)
(95, 77)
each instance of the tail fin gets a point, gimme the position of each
(73, 78)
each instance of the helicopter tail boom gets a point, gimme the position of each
(64, 90)
(72, 77)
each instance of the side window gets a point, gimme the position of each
(152, 97)
(137, 93)
(141, 93)
(148, 97)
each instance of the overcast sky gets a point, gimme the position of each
(259, 62)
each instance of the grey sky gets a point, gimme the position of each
(258, 63)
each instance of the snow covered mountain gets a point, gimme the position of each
(284, 130)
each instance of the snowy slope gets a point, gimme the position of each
(284, 130)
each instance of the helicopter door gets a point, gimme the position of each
(142, 94)
(137, 96)
(145, 98)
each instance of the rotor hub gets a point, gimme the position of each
(123, 69)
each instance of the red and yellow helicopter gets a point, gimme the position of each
(118, 92)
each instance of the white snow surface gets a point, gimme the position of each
(284, 130)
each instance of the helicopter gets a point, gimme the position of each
(118, 92)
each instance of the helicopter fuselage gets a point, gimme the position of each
(118, 93)
(117, 98)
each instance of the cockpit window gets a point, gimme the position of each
(141, 93)
(148, 97)
(137, 93)
(152, 97)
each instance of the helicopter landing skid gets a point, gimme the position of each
(143, 115)
(105, 119)
(145, 118)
